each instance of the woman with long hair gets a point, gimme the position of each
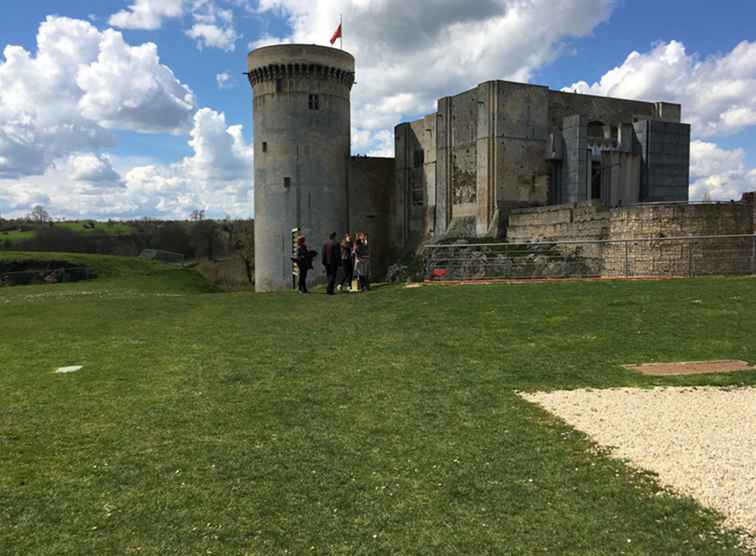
(347, 264)
(362, 261)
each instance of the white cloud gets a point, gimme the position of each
(17, 199)
(93, 170)
(213, 26)
(409, 54)
(150, 100)
(217, 177)
(211, 35)
(78, 85)
(722, 173)
(58, 106)
(147, 14)
(718, 93)
(224, 80)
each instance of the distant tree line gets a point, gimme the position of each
(196, 238)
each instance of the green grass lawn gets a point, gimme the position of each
(384, 423)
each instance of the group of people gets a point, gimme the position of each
(351, 256)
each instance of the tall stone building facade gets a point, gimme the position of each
(505, 145)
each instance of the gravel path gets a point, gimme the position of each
(700, 441)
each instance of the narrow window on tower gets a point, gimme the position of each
(265, 147)
(314, 102)
(279, 85)
(287, 183)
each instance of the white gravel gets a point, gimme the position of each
(700, 441)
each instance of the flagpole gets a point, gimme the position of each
(341, 36)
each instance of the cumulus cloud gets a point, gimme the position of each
(212, 35)
(17, 199)
(93, 170)
(216, 177)
(722, 173)
(59, 107)
(213, 26)
(147, 14)
(150, 100)
(68, 95)
(409, 54)
(717, 93)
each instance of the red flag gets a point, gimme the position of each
(336, 35)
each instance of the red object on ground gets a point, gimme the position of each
(336, 35)
(439, 272)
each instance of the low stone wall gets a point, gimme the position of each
(675, 220)
(591, 221)
(573, 221)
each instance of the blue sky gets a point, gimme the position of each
(157, 131)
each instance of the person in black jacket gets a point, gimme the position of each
(331, 259)
(303, 260)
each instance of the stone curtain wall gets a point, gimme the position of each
(590, 221)
(574, 221)
(750, 199)
(674, 220)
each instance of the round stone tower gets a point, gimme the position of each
(301, 112)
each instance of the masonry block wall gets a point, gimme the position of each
(370, 201)
(591, 221)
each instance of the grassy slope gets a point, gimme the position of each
(15, 235)
(121, 275)
(380, 423)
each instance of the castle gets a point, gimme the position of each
(463, 171)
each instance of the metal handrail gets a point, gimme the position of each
(661, 203)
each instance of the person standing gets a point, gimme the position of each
(362, 262)
(331, 259)
(303, 260)
(347, 266)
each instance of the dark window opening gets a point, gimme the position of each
(265, 147)
(279, 85)
(596, 129)
(314, 102)
(419, 158)
(287, 183)
(556, 182)
(595, 179)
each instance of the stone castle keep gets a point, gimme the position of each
(473, 168)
